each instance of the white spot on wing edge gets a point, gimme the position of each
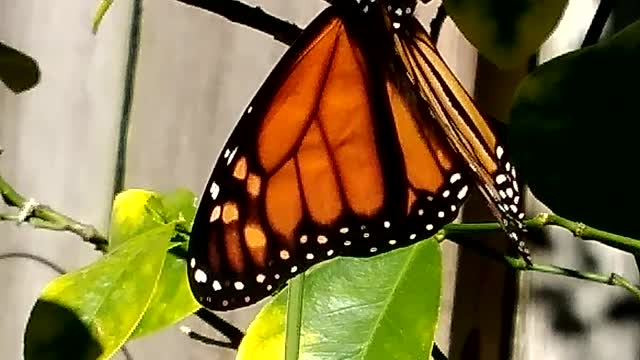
(192, 262)
(455, 177)
(500, 179)
(216, 285)
(238, 285)
(200, 276)
(499, 152)
(233, 153)
(463, 192)
(214, 190)
(260, 278)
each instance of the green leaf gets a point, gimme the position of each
(574, 133)
(506, 32)
(180, 206)
(18, 71)
(172, 300)
(100, 304)
(385, 307)
(134, 212)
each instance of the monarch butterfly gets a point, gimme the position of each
(360, 141)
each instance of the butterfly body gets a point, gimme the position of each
(339, 154)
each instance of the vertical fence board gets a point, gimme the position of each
(59, 140)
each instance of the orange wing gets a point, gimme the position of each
(327, 160)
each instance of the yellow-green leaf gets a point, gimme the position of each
(134, 212)
(99, 305)
(172, 300)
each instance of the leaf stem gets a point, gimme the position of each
(294, 317)
(253, 17)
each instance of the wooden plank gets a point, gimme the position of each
(59, 140)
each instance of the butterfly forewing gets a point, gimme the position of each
(327, 160)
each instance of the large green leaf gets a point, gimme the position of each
(172, 300)
(384, 307)
(506, 32)
(18, 71)
(99, 305)
(575, 131)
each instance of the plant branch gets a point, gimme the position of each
(545, 219)
(253, 17)
(44, 217)
(517, 263)
(586, 232)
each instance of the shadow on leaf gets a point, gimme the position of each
(56, 332)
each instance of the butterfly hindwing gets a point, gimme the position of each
(466, 129)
